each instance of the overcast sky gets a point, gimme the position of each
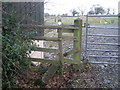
(64, 6)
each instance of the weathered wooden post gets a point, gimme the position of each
(56, 65)
(60, 49)
(77, 41)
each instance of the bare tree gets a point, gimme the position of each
(108, 11)
(74, 12)
(82, 10)
(113, 11)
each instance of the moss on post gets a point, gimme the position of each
(77, 42)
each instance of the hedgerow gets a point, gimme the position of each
(16, 46)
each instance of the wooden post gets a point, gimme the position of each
(77, 40)
(60, 49)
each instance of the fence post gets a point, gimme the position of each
(60, 50)
(77, 40)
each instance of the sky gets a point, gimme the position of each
(64, 6)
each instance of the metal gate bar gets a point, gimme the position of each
(96, 56)
(100, 27)
(113, 44)
(103, 50)
(101, 35)
(96, 62)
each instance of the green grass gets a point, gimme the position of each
(68, 20)
(92, 20)
(102, 20)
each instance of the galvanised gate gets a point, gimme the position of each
(101, 39)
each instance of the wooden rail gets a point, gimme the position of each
(50, 27)
(46, 50)
(46, 38)
(76, 29)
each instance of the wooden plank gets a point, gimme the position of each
(42, 60)
(46, 50)
(49, 27)
(50, 73)
(70, 61)
(68, 31)
(70, 52)
(45, 38)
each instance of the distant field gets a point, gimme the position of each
(92, 20)
(65, 20)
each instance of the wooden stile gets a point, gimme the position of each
(76, 29)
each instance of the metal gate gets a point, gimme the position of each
(102, 39)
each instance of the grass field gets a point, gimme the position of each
(92, 20)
